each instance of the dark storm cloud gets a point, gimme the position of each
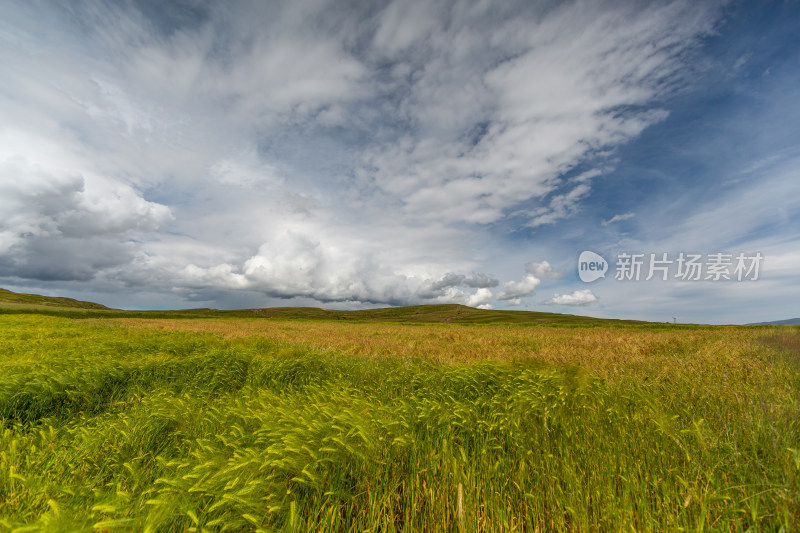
(48, 258)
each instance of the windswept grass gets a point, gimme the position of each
(380, 427)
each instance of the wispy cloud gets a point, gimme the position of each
(618, 218)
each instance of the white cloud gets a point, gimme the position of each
(558, 96)
(480, 299)
(405, 24)
(561, 206)
(311, 150)
(59, 219)
(246, 170)
(578, 297)
(618, 218)
(304, 256)
(514, 290)
(542, 270)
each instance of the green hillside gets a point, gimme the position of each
(14, 298)
(450, 313)
(11, 302)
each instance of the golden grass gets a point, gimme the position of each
(608, 352)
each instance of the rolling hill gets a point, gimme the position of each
(789, 322)
(15, 298)
(11, 302)
(447, 313)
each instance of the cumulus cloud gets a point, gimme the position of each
(304, 257)
(577, 298)
(59, 220)
(317, 273)
(542, 270)
(513, 291)
(479, 298)
(295, 263)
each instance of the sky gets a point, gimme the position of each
(349, 154)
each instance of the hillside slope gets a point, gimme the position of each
(11, 302)
(789, 322)
(449, 313)
(16, 298)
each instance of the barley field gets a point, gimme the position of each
(234, 424)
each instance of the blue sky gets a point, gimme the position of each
(251, 154)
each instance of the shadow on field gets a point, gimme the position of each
(785, 342)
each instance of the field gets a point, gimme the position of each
(207, 421)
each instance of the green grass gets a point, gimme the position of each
(109, 428)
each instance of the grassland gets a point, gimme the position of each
(151, 423)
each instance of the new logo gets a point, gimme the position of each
(591, 266)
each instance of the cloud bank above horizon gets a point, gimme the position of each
(393, 153)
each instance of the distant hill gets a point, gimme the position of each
(448, 313)
(11, 302)
(789, 322)
(8, 297)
